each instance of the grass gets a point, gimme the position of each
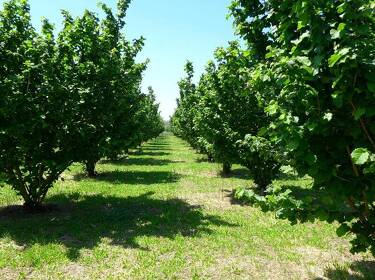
(165, 214)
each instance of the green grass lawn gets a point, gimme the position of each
(165, 213)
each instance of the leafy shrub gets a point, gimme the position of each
(318, 79)
(36, 111)
(73, 99)
(223, 116)
(261, 158)
(101, 69)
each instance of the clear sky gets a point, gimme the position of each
(175, 31)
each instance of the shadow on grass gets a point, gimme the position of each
(358, 270)
(240, 173)
(139, 161)
(81, 222)
(156, 148)
(133, 177)
(149, 153)
(156, 144)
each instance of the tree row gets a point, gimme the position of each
(300, 93)
(71, 98)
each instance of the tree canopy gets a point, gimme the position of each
(76, 98)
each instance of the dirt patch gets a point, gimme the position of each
(188, 184)
(74, 271)
(8, 274)
(318, 261)
(208, 174)
(246, 267)
(12, 245)
(199, 174)
(211, 200)
(310, 254)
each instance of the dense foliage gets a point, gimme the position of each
(183, 120)
(319, 73)
(71, 99)
(148, 122)
(223, 118)
(36, 112)
(301, 93)
(101, 69)
(308, 70)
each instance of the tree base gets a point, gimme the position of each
(227, 169)
(90, 169)
(33, 208)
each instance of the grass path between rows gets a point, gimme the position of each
(165, 213)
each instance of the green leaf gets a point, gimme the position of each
(328, 116)
(311, 158)
(270, 54)
(360, 156)
(333, 59)
(247, 53)
(272, 109)
(311, 126)
(359, 113)
(293, 144)
(342, 230)
(322, 215)
(338, 99)
(341, 8)
(335, 34)
(341, 27)
(337, 56)
(300, 25)
(304, 60)
(370, 169)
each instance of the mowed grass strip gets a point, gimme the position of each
(165, 213)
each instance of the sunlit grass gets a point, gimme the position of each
(165, 214)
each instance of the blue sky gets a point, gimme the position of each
(175, 30)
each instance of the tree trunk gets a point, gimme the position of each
(90, 168)
(32, 206)
(227, 168)
(35, 188)
(262, 188)
(262, 183)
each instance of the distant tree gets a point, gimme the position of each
(231, 118)
(182, 121)
(150, 123)
(224, 116)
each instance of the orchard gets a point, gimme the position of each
(265, 169)
(74, 98)
(300, 93)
